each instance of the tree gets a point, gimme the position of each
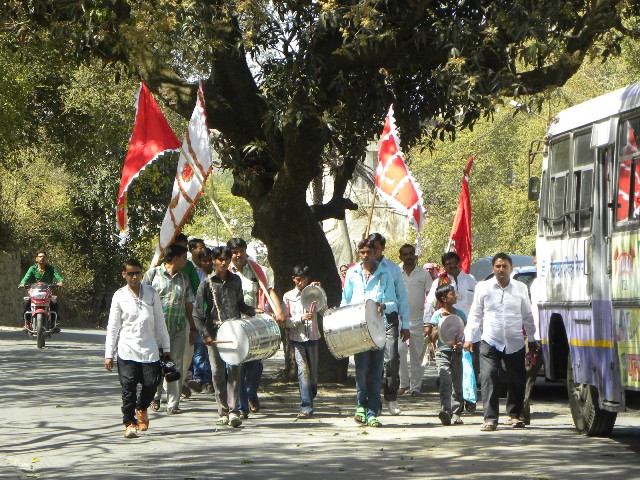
(286, 80)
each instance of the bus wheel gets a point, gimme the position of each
(588, 417)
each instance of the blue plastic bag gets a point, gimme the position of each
(468, 378)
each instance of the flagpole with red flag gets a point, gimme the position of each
(460, 236)
(152, 136)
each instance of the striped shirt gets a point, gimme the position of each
(175, 292)
(299, 331)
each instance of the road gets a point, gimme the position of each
(61, 420)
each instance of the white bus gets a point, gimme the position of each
(588, 245)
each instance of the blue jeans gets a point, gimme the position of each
(369, 368)
(306, 354)
(201, 366)
(249, 383)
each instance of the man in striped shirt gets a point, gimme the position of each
(304, 335)
(175, 292)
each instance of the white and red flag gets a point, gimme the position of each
(460, 236)
(151, 137)
(194, 167)
(393, 180)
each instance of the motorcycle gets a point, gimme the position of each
(41, 320)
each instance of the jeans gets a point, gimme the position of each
(132, 373)
(201, 365)
(226, 379)
(392, 359)
(450, 374)
(369, 368)
(490, 358)
(249, 383)
(306, 354)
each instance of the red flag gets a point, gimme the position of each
(460, 236)
(393, 179)
(151, 137)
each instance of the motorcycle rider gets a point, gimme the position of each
(42, 271)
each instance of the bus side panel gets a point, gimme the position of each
(628, 337)
(625, 275)
(563, 265)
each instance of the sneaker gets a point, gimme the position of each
(143, 419)
(470, 407)
(131, 431)
(445, 417)
(235, 421)
(222, 421)
(394, 409)
(195, 385)
(456, 420)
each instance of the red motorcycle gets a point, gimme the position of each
(42, 321)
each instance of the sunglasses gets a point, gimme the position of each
(134, 274)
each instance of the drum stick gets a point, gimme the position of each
(222, 341)
(263, 287)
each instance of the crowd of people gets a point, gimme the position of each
(173, 313)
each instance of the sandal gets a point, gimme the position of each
(303, 415)
(174, 411)
(155, 405)
(373, 422)
(360, 416)
(223, 421)
(488, 427)
(186, 392)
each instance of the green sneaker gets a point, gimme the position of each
(235, 421)
(223, 421)
(373, 422)
(360, 416)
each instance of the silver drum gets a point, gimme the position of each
(253, 338)
(354, 329)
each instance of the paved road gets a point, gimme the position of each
(61, 420)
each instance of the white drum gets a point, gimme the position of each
(354, 329)
(253, 338)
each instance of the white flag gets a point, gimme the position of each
(194, 167)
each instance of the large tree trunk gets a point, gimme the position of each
(293, 236)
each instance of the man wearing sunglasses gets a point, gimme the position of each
(136, 328)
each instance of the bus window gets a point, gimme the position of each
(628, 162)
(582, 182)
(559, 164)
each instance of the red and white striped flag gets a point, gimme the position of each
(194, 167)
(151, 137)
(393, 180)
(460, 236)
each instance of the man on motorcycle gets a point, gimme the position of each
(41, 271)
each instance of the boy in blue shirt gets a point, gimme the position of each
(448, 359)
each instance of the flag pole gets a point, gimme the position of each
(373, 203)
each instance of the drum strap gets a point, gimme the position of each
(215, 300)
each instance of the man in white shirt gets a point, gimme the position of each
(500, 309)
(417, 282)
(137, 323)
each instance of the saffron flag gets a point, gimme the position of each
(460, 236)
(151, 137)
(194, 167)
(393, 180)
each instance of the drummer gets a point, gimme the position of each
(368, 281)
(219, 299)
(448, 358)
(304, 335)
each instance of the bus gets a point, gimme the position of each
(588, 246)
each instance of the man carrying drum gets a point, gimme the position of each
(219, 299)
(367, 280)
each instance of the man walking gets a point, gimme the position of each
(252, 276)
(397, 324)
(500, 309)
(177, 305)
(136, 328)
(417, 281)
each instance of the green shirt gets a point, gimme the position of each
(50, 275)
(175, 292)
(192, 274)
